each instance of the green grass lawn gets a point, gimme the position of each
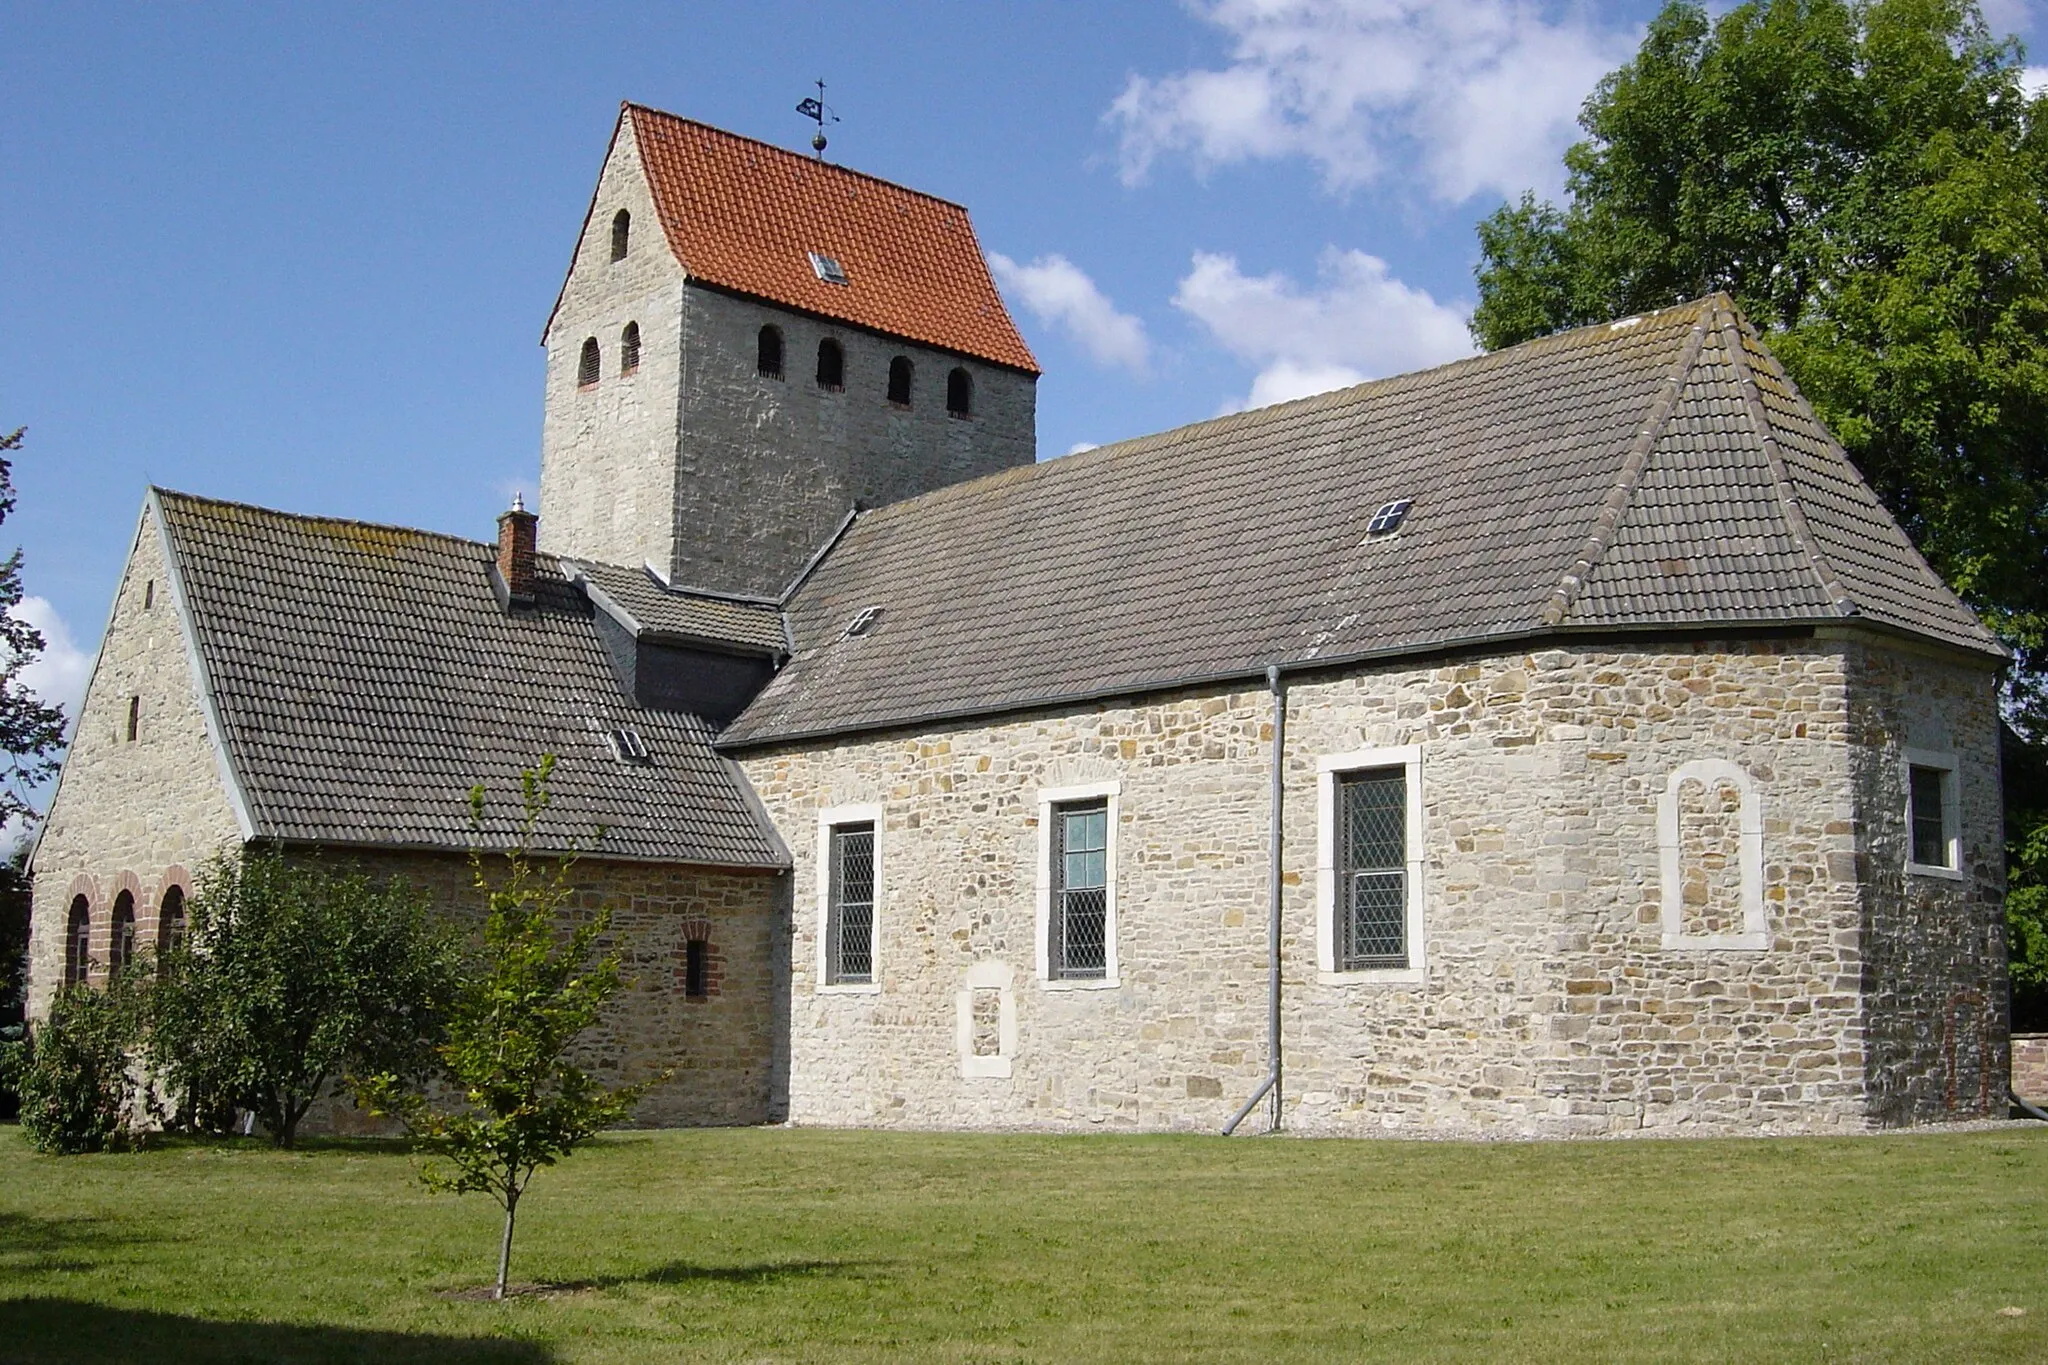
(776, 1245)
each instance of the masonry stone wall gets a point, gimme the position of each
(2030, 1067)
(608, 451)
(1934, 971)
(769, 466)
(1561, 990)
(724, 1049)
(718, 475)
(139, 815)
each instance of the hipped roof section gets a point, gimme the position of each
(363, 678)
(744, 216)
(1657, 473)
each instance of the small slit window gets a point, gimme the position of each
(629, 348)
(1389, 517)
(622, 234)
(149, 594)
(628, 747)
(589, 365)
(850, 920)
(697, 969)
(831, 365)
(768, 353)
(828, 269)
(899, 381)
(134, 718)
(960, 393)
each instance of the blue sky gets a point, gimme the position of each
(301, 255)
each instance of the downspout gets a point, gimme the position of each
(1271, 1085)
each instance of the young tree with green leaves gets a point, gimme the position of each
(1869, 180)
(536, 984)
(31, 730)
(292, 976)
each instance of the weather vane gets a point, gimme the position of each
(817, 110)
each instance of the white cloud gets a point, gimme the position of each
(1059, 293)
(2034, 80)
(59, 674)
(1077, 447)
(1466, 96)
(1358, 323)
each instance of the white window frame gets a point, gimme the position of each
(830, 818)
(1951, 811)
(1049, 799)
(982, 976)
(1710, 773)
(1329, 769)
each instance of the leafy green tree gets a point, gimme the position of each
(536, 984)
(290, 977)
(1870, 182)
(31, 731)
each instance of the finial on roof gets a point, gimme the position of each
(518, 500)
(816, 109)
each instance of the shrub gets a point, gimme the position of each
(78, 1089)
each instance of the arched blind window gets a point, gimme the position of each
(831, 365)
(960, 393)
(899, 381)
(588, 367)
(622, 234)
(121, 945)
(78, 942)
(629, 348)
(768, 352)
(170, 923)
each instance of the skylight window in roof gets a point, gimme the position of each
(828, 269)
(864, 622)
(1389, 517)
(628, 747)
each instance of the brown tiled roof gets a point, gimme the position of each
(1656, 473)
(362, 678)
(743, 215)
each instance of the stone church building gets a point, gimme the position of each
(1559, 741)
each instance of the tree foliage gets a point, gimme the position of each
(290, 977)
(535, 984)
(1870, 182)
(31, 731)
(79, 1088)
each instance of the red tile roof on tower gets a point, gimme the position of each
(743, 215)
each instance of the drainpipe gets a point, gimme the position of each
(1271, 1085)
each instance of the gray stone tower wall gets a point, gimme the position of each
(608, 452)
(717, 475)
(768, 466)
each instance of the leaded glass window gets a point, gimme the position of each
(1372, 870)
(850, 927)
(1930, 817)
(1080, 891)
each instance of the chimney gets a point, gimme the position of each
(516, 534)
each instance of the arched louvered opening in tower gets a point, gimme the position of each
(831, 365)
(960, 393)
(768, 353)
(629, 348)
(590, 365)
(899, 381)
(622, 234)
